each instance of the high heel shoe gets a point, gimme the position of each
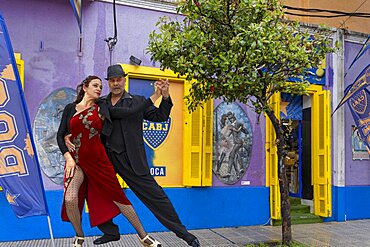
(78, 241)
(154, 243)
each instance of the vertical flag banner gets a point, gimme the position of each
(361, 82)
(359, 105)
(20, 175)
(76, 6)
(357, 86)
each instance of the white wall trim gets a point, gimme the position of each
(145, 4)
(355, 37)
(338, 148)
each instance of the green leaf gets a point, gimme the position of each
(225, 49)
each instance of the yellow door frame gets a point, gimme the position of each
(197, 129)
(148, 73)
(198, 144)
(272, 176)
(321, 155)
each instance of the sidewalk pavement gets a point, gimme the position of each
(333, 234)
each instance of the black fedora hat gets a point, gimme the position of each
(115, 71)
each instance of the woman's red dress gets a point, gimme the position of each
(100, 186)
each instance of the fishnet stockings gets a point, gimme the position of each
(74, 215)
(129, 212)
(71, 201)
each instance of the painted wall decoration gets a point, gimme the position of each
(45, 129)
(359, 151)
(291, 106)
(232, 142)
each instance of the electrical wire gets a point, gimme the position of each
(327, 16)
(323, 10)
(344, 22)
(336, 13)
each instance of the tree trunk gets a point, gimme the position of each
(285, 203)
(283, 180)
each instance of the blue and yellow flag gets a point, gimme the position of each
(77, 9)
(361, 82)
(20, 175)
(359, 104)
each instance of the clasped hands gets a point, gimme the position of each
(161, 88)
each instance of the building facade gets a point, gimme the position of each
(190, 155)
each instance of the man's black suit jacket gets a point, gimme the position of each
(132, 127)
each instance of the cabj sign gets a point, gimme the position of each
(156, 133)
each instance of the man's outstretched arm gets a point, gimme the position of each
(161, 113)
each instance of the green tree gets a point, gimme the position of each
(240, 50)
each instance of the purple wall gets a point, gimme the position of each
(357, 171)
(30, 23)
(46, 34)
(52, 25)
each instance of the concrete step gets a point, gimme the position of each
(300, 218)
(300, 208)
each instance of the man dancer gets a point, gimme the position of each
(125, 149)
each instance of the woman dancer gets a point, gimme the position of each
(88, 172)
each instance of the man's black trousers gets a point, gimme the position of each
(151, 194)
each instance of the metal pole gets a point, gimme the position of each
(51, 231)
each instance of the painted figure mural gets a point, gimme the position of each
(232, 142)
(45, 129)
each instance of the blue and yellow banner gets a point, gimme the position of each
(359, 104)
(361, 82)
(77, 10)
(20, 175)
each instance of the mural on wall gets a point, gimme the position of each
(359, 151)
(232, 142)
(45, 129)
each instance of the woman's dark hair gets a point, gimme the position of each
(80, 91)
(223, 120)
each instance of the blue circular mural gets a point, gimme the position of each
(45, 130)
(232, 142)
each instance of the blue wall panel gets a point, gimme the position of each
(338, 204)
(350, 203)
(357, 202)
(198, 208)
